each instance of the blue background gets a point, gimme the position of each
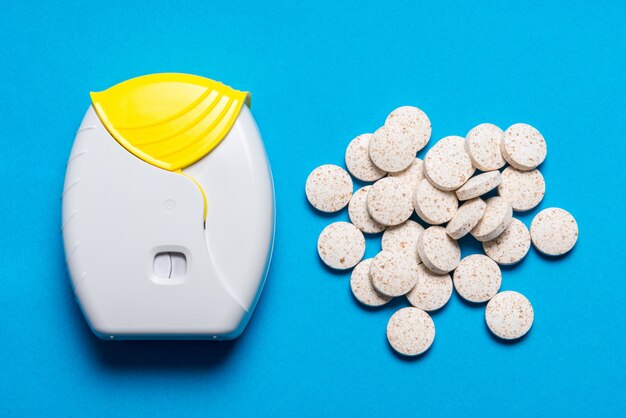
(320, 75)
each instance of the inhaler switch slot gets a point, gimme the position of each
(170, 265)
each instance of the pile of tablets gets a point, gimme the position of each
(446, 193)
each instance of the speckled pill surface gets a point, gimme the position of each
(440, 253)
(341, 245)
(522, 189)
(431, 291)
(483, 147)
(359, 215)
(477, 278)
(412, 175)
(403, 238)
(393, 274)
(432, 205)
(479, 185)
(358, 160)
(497, 217)
(391, 149)
(389, 201)
(509, 315)
(410, 331)
(466, 218)
(511, 246)
(447, 165)
(362, 288)
(329, 188)
(523, 146)
(410, 118)
(554, 231)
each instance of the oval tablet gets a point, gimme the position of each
(393, 274)
(359, 215)
(509, 315)
(403, 238)
(410, 331)
(391, 149)
(358, 160)
(412, 175)
(466, 218)
(511, 246)
(341, 245)
(483, 147)
(362, 288)
(477, 278)
(554, 231)
(329, 188)
(523, 147)
(410, 118)
(479, 185)
(522, 189)
(389, 201)
(447, 165)
(440, 253)
(497, 217)
(431, 291)
(434, 206)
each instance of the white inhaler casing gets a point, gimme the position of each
(168, 210)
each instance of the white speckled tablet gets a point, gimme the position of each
(440, 253)
(391, 149)
(410, 331)
(523, 147)
(431, 291)
(466, 218)
(497, 217)
(358, 160)
(522, 189)
(554, 231)
(511, 246)
(393, 274)
(362, 288)
(479, 185)
(447, 164)
(483, 147)
(403, 238)
(341, 245)
(410, 118)
(477, 278)
(412, 175)
(509, 315)
(329, 188)
(359, 215)
(434, 206)
(389, 201)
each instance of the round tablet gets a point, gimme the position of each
(483, 147)
(341, 245)
(466, 218)
(389, 201)
(411, 119)
(477, 278)
(523, 147)
(410, 331)
(522, 189)
(554, 231)
(359, 215)
(511, 246)
(403, 238)
(431, 291)
(447, 164)
(509, 315)
(329, 188)
(434, 206)
(393, 274)
(391, 149)
(362, 288)
(497, 217)
(440, 253)
(358, 160)
(412, 175)
(479, 185)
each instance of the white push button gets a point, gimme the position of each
(162, 265)
(179, 265)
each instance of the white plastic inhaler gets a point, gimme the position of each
(168, 210)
